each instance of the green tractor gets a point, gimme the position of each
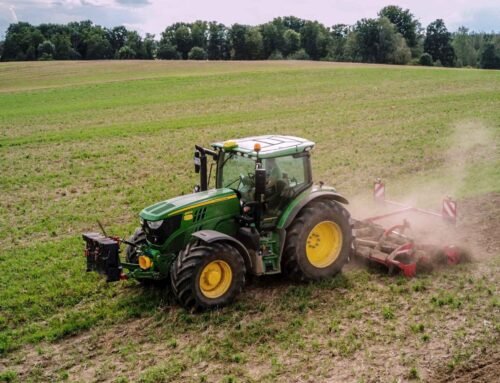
(263, 217)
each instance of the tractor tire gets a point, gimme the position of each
(139, 238)
(207, 276)
(131, 256)
(318, 242)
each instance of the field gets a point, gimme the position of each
(81, 141)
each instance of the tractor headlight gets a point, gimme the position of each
(154, 224)
(157, 232)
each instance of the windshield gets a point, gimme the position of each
(236, 171)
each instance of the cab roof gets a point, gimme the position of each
(270, 146)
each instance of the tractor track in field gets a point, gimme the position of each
(483, 370)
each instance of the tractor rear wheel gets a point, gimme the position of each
(318, 242)
(206, 276)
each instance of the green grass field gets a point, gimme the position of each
(81, 141)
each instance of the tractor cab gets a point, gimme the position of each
(266, 172)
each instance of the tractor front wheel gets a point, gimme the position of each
(132, 256)
(318, 242)
(139, 238)
(206, 276)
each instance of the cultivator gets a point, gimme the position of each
(394, 248)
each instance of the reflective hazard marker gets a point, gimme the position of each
(379, 191)
(449, 210)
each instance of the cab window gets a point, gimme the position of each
(237, 171)
(290, 171)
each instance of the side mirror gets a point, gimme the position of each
(260, 184)
(197, 162)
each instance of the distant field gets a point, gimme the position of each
(81, 141)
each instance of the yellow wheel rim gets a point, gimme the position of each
(324, 243)
(215, 279)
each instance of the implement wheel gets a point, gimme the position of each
(318, 242)
(206, 276)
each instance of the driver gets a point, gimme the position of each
(275, 183)
(274, 173)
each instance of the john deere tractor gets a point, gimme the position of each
(263, 216)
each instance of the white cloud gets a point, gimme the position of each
(154, 15)
(13, 13)
(162, 13)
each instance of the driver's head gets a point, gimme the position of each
(273, 171)
(270, 163)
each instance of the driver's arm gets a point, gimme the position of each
(274, 176)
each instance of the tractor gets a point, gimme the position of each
(263, 216)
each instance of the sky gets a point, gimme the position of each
(154, 15)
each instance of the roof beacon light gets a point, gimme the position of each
(256, 147)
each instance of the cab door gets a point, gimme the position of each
(286, 178)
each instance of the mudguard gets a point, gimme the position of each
(324, 194)
(210, 236)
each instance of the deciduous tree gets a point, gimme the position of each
(463, 45)
(238, 35)
(197, 53)
(199, 34)
(377, 41)
(46, 49)
(254, 44)
(315, 39)
(405, 23)
(291, 42)
(184, 40)
(218, 45)
(272, 38)
(438, 43)
(490, 57)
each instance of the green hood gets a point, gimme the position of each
(177, 205)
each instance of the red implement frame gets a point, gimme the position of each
(405, 256)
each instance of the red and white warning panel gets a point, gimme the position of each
(449, 210)
(379, 191)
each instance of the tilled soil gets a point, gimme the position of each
(481, 370)
(480, 230)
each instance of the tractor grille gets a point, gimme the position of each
(199, 215)
(160, 235)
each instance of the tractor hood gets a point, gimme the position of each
(182, 204)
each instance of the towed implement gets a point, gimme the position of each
(263, 216)
(394, 248)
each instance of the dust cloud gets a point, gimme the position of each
(471, 143)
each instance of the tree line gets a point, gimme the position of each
(394, 37)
